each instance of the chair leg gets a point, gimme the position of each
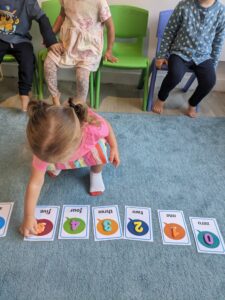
(189, 83)
(40, 77)
(91, 89)
(98, 84)
(141, 80)
(35, 80)
(152, 87)
(146, 81)
(35, 85)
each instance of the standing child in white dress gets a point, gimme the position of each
(81, 24)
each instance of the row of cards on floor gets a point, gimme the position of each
(75, 224)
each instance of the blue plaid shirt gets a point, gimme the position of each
(194, 32)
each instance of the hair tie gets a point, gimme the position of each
(76, 107)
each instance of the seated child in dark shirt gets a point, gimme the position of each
(15, 22)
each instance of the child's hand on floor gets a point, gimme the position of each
(109, 57)
(29, 226)
(114, 156)
(160, 62)
(57, 49)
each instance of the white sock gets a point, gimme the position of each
(96, 183)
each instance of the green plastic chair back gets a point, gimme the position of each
(8, 58)
(129, 21)
(51, 9)
(131, 25)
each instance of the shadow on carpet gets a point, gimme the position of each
(167, 163)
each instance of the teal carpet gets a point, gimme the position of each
(167, 163)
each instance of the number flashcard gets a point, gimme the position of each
(207, 235)
(75, 221)
(47, 217)
(106, 223)
(173, 227)
(5, 214)
(138, 223)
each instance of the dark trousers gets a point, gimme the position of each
(23, 53)
(177, 67)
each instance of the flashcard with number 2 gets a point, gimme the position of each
(138, 224)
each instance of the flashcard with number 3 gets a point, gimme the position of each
(106, 221)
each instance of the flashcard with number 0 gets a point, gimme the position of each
(47, 217)
(173, 227)
(106, 223)
(138, 224)
(207, 235)
(5, 214)
(75, 222)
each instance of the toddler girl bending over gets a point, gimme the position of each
(65, 137)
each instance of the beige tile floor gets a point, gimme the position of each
(123, 98)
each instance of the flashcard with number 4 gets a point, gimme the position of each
(138, 224)
(173, 227)
(47, 217)
(5, 214)
(106, 221)
(75, 222)
(207, 235)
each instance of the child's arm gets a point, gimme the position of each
(110, 40)
(35, 13)
(59, 21)
(218, 43)
(169, 35)
(114, 152)
(29, 225)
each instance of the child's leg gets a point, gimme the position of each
(50, 69)
(206, 76)
(4, 47)
(177, 67)
(23, 52)
(97, 186)
(82, 84)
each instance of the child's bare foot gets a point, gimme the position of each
(158, 106)
(24, 102)
(191, 112)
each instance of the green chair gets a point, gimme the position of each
(130, 30)
(8, 58)
(52, 9)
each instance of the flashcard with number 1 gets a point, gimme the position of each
(47, 217)
(207, 235)
(173, 227)
(138, 223)
(106, 221)
(5, 214)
